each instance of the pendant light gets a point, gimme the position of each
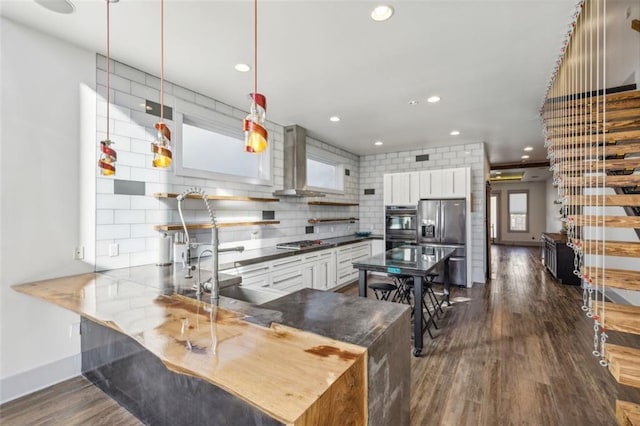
(161, 147)
(108, 155)
(255, 134)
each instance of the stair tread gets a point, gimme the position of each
(612, 248)
(594, 128)
(614, 101)
(615, 278)
(561, 152)
(611, 116)
(620, 317)
(592, 165)
(631, 200)
(586, 140)
(624, 364)
(609, 221)
(627, 413)
(599, 181)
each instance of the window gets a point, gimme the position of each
(518, 211)
(214, 149)
(324, 171)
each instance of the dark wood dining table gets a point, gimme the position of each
(415, 261)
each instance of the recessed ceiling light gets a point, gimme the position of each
(454, 133)
(413, 102)
(433, 99)
(498, 173)
(334, 118)
(529, 148)
(525, 157)
(58, 6)
(377, 143)
(242, 67)
(381, 13)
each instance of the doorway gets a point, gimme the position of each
(495, 217)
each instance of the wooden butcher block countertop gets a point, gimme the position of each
(294, 376)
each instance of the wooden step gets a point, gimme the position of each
(614, 248)
(592, 129)
(592, 165)
(614, 101)
(611, 181)
(586, 140)
(561, 152)
(624, 364)
(627, 413)
(614, 278)
(609, 221)
(611, 116)
(619, 317)
(619, 200)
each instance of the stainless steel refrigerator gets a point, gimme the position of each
(443, 223)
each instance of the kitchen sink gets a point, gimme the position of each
(251, 295)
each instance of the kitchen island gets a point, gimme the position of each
(310, 357)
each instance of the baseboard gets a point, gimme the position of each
(27, 382)
(518, 243)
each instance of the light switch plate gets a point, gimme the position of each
(114, 250)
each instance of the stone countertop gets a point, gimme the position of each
(312, 334)
(250, 257)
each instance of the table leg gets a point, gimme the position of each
(446, 283)
(362, 283)
(418, 282)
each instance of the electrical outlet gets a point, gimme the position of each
(78, 253)
(114, 249)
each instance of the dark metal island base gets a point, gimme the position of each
(416, 261)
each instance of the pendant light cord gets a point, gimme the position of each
(108, 63)
(255, 51)
(161, 61)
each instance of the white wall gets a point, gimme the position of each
(553, 222)
(537, 212)
(42, 131)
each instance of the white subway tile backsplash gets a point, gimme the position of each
(145, 92)
(142, 231)
(132, 159)
(145, 174)
(110, 201)
(129, 216)
(104, 217)
(104, 185)
(115, 81)
(112, 232)
(144, 203)
(129, 73)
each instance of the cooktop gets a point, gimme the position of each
(297, 245)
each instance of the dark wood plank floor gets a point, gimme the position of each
(515, 351)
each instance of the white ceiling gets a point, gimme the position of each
(489, 61)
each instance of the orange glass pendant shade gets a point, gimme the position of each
(161, 147)
(255, 135)
(107, 160)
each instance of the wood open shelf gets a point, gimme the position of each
(217, 197)
(331, 203)
(333, 220)
(196, 226)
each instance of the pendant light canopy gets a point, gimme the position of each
(108, 156)
(255, 134)
(161, 147)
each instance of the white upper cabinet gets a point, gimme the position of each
(401, 188)
(444, 183)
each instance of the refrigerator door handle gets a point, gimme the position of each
(442, 223)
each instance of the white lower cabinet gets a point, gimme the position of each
(321, 269)
(345, 256)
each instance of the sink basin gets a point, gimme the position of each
(250, 295)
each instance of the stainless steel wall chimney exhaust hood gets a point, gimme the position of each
(295, 164)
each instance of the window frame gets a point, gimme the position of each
(209, 124)
(526, 193)
(322, 156)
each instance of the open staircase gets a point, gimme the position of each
(577, 140)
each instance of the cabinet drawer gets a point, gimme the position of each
(287, 262)
(288, 280)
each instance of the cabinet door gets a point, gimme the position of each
(454, 183)
(310, 275)
(377, 247)
(326, 272)
(387, 189)
(400, 186)
(288, 280)
(430, 183)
